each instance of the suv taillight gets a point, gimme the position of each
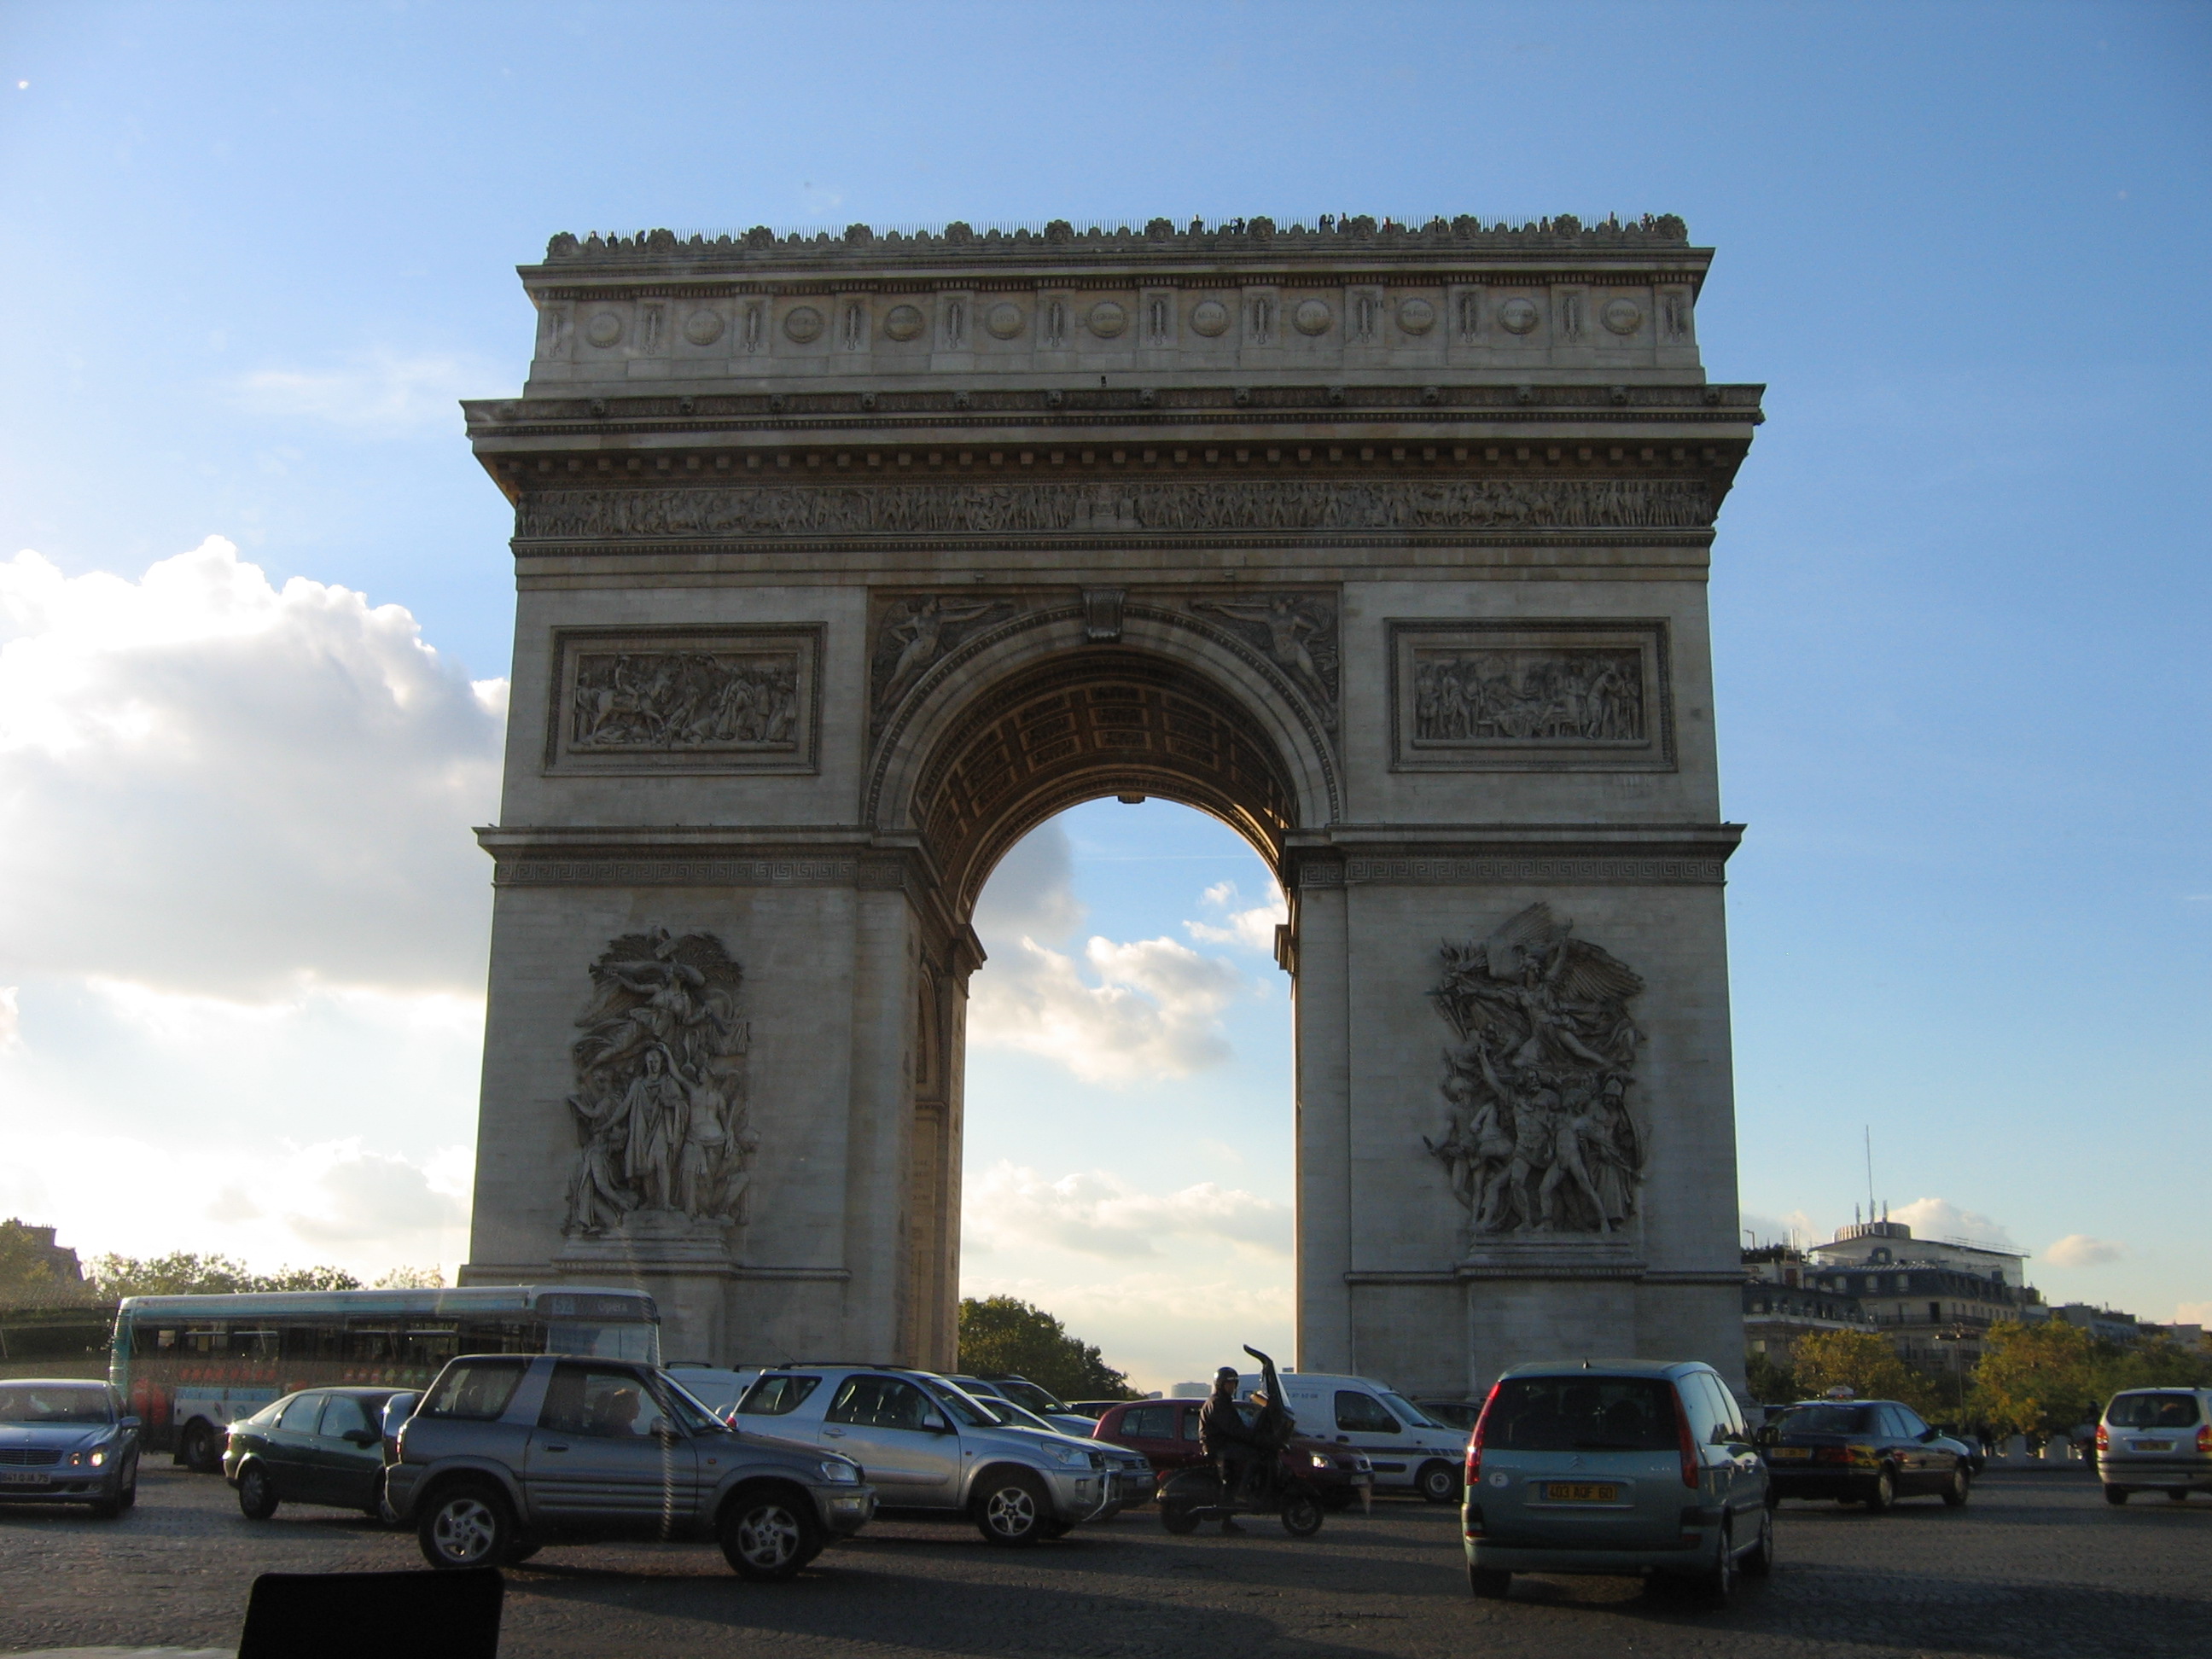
(1474, 1440)
(2104, 1438)
(1690, 1468)
(2205, 1441)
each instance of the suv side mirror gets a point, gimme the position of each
(361, 1437)
(935, 1423)
(129, 1423)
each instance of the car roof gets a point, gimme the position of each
(54, 1382)
(1855, 1400)
(1666, 1368)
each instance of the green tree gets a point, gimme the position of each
(2159, 1362)
(1861, 1362)
(1003, 1334)
(2042, 1378)
(412, 1278)
(1769, 1383)
(186, 1273)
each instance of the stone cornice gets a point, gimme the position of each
(1512, 855)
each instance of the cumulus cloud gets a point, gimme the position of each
(360, 1195)
(1252, 926)
(2080, 1250)
(373, 390)
(212, 784)
(1032, 895)
(1938, 1218)
(1780, 1229)
(1154, 1011)
(1096, 1212)
(11, 1019)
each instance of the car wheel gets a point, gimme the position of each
(201, 1448)
(1438, 1482)
(2178, 1494)
(1178, 1519)
(768, 1534)
(467, 1526)
(1301, 1515)
(1717, 1582)
(1492, 1583)
(385, 1512)
(1959, 1489)
(2115, 1494)
(1759, 1560)
(1883, 1496)
(128, 1497)
(256, 1492)
(1012, 1509)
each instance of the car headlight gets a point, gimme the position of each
(88, 1459)
(1069, 1457)
(840, 1473)
(1317, 1460)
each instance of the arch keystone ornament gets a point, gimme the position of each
(1390, 559)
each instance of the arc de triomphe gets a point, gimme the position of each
(844, 561)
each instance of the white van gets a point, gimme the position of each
(1410, 1449)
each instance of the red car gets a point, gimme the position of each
(1166, 1431)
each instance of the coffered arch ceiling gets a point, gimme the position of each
(1101, 721)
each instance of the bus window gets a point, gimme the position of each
(261, 1343)
(314, 1341)
(501, 1336)
(592, 1339)
(423, 1343)
(206, 1339)
(376, 1343)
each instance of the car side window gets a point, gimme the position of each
(301, 1415)
(1728, 1422)
(1909, 1421)
(1189, 1417)
(342, 1416)
(775, 1396)
(475, 1392)
(1699, 1406)
(602, 1402)
(1149, 1422)
(1362, 1413)
(879, 1402)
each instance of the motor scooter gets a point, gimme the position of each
(1191, 1496)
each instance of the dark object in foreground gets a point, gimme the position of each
(1191, 1496)
(372, 1615)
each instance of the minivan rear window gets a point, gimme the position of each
(2152, 1411)
(1583, 1413)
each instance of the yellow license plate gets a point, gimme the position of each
(1562, 1492)
(1789, 1454)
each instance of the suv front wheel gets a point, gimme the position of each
(768, 1534)
(466, 1525)
(1010, 1507)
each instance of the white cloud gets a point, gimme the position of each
(1253, 927)
(11, 1020)
(1155, 1011)
(376, 389)
(1780, 1229)
(214, 786)
(360, 1196)
(1164, 1326)
(1032, 892)
(2080, 1250)
(1098, 1213)
(1938, 1218)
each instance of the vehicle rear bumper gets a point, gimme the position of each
(2192, 1473)
(1692, 1554)
(401, 1482)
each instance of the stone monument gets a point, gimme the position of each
(844, 561)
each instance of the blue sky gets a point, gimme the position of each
(252, 254)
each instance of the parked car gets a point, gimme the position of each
(1411, 1451)
(397, 1410)
(933, 1451)
(319, 1446)
(67, 1441)
(2155, 1440)
(1166, 1432)
(509, 1453)
(1862, 1451)
(1452, 1413)
(1093, 1409)
(1038, 1402)
(715, 1387)
(1614, 1466)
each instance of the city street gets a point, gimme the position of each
(2037, 1565)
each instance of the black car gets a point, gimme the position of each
(320, 1446)
(1861, 1451)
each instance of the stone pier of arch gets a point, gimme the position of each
(843, 563)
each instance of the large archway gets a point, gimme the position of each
(842, 563)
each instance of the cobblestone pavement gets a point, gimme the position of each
(2037, 1565)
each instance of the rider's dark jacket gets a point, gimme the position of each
(1221, 1426)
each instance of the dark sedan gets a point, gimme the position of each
(1861, 1451)
(320, 1446)
(67, 1442)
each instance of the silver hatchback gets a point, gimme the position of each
(2155, 1440)
(1614, 1466)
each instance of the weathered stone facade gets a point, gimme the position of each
(844, 562)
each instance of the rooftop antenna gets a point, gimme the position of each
(1869, 1163)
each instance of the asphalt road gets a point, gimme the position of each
(2037, 1565)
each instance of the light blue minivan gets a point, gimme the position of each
(1614, 1466)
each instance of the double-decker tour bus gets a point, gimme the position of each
(192, 1365)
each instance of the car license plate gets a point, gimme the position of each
(1561, 1492)
(23, 1477)
(2150, 1445)
(1789, 1454)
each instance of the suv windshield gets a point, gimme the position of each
(1029, 1395)
(19, 1404)
(1583, 1412)
(2152, 1411)
(1828, 1420)
(964, 1411)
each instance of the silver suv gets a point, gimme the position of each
(2155, 1440)
(932, 1451)
(507, 1453)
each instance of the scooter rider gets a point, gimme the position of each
(1228, 1441)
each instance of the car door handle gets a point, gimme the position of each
(555, 1448)
(834, 1434)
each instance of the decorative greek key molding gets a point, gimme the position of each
(676, 872)
(742, 512)
(1470, 873)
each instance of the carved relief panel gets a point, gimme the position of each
(685, 700)
(1478, 697)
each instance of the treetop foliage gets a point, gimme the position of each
(186, 1273)
(1001, 1333)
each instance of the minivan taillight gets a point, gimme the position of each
(2104, 1438)
(2205, 1441)
(1689, 1445)
(1474, 1440)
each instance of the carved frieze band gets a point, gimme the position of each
(1516, 872)
(1531, 694)
(684, 872)
(685, 700)
(741, 511)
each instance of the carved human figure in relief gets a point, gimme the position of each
(659, 1111)
(920, 636)
(685, 700)
(1540, 1139)
(1290, 621)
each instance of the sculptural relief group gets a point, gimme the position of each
(1540, 1139)
(679, 700)
(1519, 696)
(660, 1107)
